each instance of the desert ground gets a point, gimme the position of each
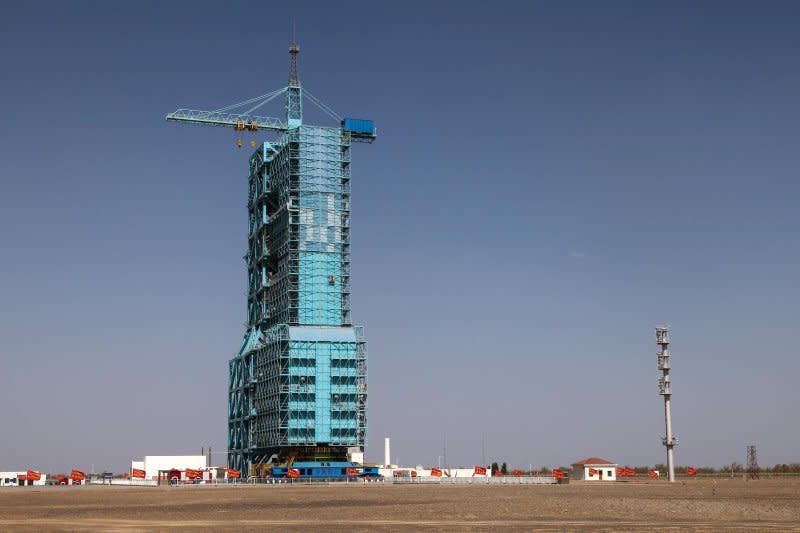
(695, 504)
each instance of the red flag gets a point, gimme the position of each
(77, 475)
(22, 477)
(234, 474)
(138, 474)
(630, 472)
(517, 473)
(558, 474)
(435, 472)
(479, 471)
(691, 471)
(592, 471)
(620, 471)
(292, 473)
(352, 471)
(193, 474)
(653, 474)
(33, 475)
(413, 473)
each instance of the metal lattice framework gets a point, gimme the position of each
(752, 462)
(297, 385)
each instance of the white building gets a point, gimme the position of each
(11, 479)
(153, 463)
(594, 469)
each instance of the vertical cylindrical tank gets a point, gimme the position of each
(386, 452)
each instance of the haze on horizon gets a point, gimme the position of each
(550, 182)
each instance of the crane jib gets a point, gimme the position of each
(234, 120)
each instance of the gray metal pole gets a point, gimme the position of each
(670, 444)
(665, 389)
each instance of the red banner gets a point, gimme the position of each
(77, 475)
(234, 474)
(558, 474)
(592, 471)
(691, 471)
(630, 472)
(352, 471)
(293, 473)
(479, 471)
(653, 474)
(620, 471)
(435, 472)
(138, 474)
(33, 475)
(193, 474)
(517, 473)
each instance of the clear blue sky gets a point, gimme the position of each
(550, 182)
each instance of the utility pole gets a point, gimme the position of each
(665, 390)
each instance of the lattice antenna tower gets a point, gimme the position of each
(665, 390)
(752, 462)
(294, 78)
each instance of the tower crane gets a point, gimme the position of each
(242, 118)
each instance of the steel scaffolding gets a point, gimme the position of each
(298, 383)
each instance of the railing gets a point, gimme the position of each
(476, 480)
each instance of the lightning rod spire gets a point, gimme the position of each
(294, 79)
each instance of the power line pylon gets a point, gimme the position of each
(752, 462)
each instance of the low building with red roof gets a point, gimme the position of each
(594, 469)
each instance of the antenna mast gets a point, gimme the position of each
(294, 78)
(665, 390)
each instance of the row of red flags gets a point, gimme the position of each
(136, 473)
(192, 473)
(622, 471)
(35, 475)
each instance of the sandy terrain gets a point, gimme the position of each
(699, 505)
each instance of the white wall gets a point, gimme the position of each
(609, 472)
(153, 463)
(426, 472)
(13, 477)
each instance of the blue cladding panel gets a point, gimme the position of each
(322, 334)
(326, 356)
(319, 298)
(322, 419)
